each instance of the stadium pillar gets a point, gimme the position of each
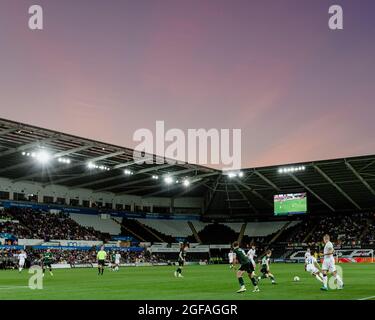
(195, 233)
(171, 209)
(242, 232)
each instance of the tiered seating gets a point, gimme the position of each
(43, 225)
(94, 221)
(343, 229)
(263, 229)
(134, 228)
(174, 228)
(199, 225)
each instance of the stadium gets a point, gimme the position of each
(68, 196)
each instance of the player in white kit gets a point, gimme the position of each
(21, 260)
(252, 254)
(307, 253)
(231, 257)
(329, 265)
(117, 261)
(312, 266)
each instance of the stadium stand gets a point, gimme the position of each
(217, 233)
(141, 232)
(174, 228)
(262, 229)
(199, 225)
(340, 197)
(31, 224)
(95, 222)
(344, 229)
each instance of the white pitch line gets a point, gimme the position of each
(13, 287)
(367, 298)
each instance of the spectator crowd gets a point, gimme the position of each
(35, 224)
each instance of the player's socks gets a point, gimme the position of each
(242, 283)
(325, 281)
(339, 281)
(254, 281)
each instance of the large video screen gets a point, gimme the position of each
(290, 203)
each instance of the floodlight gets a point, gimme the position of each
(168, 180)
(91, 165)
(42, 156)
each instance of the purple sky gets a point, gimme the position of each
(103, 69)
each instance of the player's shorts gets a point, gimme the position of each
(47, 265)
(21, 263)
(231, 261)
(101, 263)
(312, 269)
(248, 267)
(329, 264)
(253, 262)
(117, 262)
(264, 270)
(181, 263)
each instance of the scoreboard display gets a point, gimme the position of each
(290, 203)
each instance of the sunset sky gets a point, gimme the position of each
(103, 69)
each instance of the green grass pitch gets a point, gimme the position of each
(290, 206)
(200, 282)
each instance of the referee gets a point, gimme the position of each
(101, 256)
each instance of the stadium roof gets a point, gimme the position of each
(332, 185)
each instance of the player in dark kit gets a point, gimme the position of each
(181, 260)
(47, 262)
(246, 266)
(265, 269)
